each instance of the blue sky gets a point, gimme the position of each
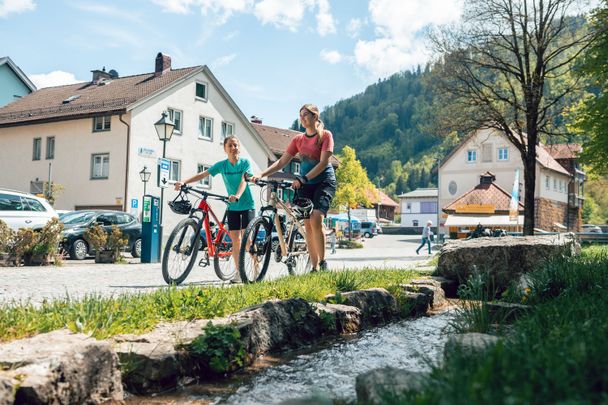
(272, 56)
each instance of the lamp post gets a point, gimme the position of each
(145, 176)
(164, 128)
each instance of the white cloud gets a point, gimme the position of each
(398, 25)
(175, 6)
(231, 35)
(353, 27)
(223, 61)
(222, 10)
(55, 78)
(16, 6)
(332, 57)
(325, 20)
(281, 13)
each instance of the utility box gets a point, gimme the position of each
(150, 230)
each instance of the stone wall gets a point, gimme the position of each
(547, 213)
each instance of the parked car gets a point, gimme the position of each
(24, 210)
(77, 222)
(592, 228)
(369, 229)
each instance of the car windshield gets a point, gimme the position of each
(77, 218)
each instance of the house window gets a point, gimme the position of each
(50, 147)
(503, 153)
(205, 128)
(174, 170)
(428, 207)
(408, 206)
(100, 166)
(414, 222)
(280, 194)
(548, 182)
(555, 184)
(486, 152)
(227, 130)
(296, 167)
(201, 91)
(471, 156)
(176, 117)
(102, 123)
(37, 147)
(206, 182)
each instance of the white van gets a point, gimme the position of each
(23, 210)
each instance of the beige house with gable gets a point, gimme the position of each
(94, 138)
(559, 186)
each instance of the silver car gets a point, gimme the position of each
(24, 210)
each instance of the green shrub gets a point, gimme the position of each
(220, 348)
(350, 244)
(7, 236)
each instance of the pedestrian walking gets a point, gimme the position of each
(332, 240)
(427, 234)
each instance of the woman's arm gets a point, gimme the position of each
(240, 190)
(196, 177)
(278, 165)
(320, 167)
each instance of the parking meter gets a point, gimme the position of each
(150, 230)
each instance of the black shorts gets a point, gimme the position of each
(239, 219)
(321, 194)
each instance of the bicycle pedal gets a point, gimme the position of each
(204, 262)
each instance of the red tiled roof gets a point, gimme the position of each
(564, 150)
(484, 194)
(278, 139)
(116, 95)
(384, 199)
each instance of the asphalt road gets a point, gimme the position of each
(78, 278)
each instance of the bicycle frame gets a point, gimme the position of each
(206, 209)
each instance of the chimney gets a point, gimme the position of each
(99, 75)
(163, 63)
(256, 120)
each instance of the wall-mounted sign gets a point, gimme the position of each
(146, 152)
(475, 208)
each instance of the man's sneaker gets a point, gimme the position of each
(322, 265)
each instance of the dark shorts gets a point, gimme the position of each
(321, 194)
(239, 219)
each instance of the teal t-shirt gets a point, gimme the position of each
(232, 175)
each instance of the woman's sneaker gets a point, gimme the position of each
(322, 265)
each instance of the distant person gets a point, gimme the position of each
(332, 240)
(240, 210)
(427, 234)
(317, 181)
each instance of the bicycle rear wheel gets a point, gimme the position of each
(180, 251)
(222, 261)
(298, 260)
(256, 249)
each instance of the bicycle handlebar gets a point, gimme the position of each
(205, 194)
(272, 183)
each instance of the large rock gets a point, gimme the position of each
(339, 319)
(280, 324)
(505, 259)
(415, 303)
(60, 367)
(428, 287)
(6, 390)
(377, 305)
(379, 385)
(468, 343)
(158, 360)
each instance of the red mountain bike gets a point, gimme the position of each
(184, 242)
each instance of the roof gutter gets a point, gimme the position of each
(124, 200)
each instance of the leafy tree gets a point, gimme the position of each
(590, 116)
(353, 186)
(503, 67)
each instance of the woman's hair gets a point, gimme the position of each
(230, 137)
(319, 125)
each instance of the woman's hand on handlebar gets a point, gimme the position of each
(233, 198)
(178, 185)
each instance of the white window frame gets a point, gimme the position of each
(223, 132)
(554, 184)
(200, 132)
(106, 123)
(505, 155)
(206, 182)
(172, 177)
(37, 149)
(280, 194)
(472, 152)
(172, 111)
(408, 206)
(206, 91)
(296, 167)
(100, 174)
(50, 148)
(548, 182)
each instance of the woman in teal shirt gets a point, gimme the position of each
(241, 207)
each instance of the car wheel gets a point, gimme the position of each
(136, 249)
(79, 250)
(367, 235)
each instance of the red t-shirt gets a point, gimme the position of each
(310, 150)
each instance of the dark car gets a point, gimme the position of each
(77, 222)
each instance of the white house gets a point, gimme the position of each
(558, 192)
(94, 138)
(418, 207)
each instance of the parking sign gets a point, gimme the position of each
(134, 202)
(163, 172)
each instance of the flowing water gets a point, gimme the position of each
(328, 370)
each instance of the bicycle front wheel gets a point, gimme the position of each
(256, 249)
(180, 251)
(298, 259)
(222, 261)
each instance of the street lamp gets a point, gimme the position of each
(145, 176)
(164, 128)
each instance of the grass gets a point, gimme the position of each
(103, 317)
(555, 354)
